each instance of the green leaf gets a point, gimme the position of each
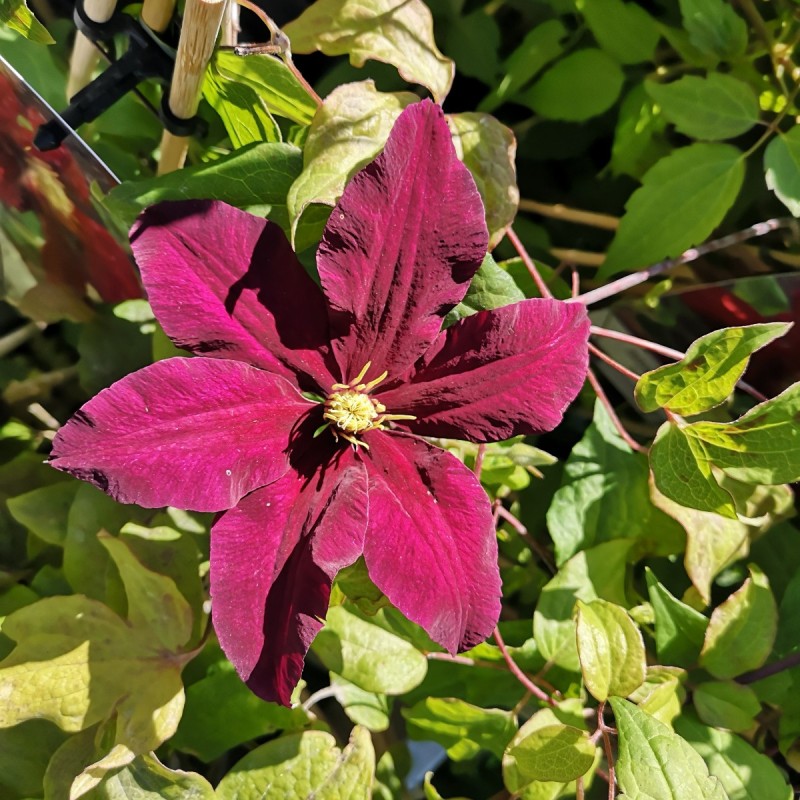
(639, 140)
(540, 46)
(717, 107)
(782, 168)
(304, 766)
(682, 472)
(209, 728)
(463, 729)
(581, 85)
(349, 130)
(397, 32)
(679, 629)
(272, 81)
(370, 709)
(367, 655)
(624, 30)
(146, 778)
(712, 542)
(71, 652)
(256, 178)
(18, 17)
(744, 773)
(714, 27)
(491, 287)
(25, 751)
(726, 705)
(656, 764)
(472, 40)
(44, 510)
(610, 649)
(708, 373)
(546, 749)
(595, 573)
(763, 446)
(488, 148)
(682, 199)
(241, 109)
(662, 694)
(748, 615)
(604, 480)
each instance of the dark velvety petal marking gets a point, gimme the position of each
(195, 433)
(273, 559)
(401, 246)
(226, 284)
(498, 373)
(430, 546)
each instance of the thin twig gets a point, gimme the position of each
(28, 389)
(541, 552)
(583, 258)
(321, 694)
(612, 778)
(559, 211)
(579, 795)
(634, 279)
(603, 398)
(623, 370)
(479, 456)
(544, 289)
(11, 341)
(788, 662)
(519, 674)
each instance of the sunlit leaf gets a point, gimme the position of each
(304, 766)
(744, 773)
(461, 728)
(488, 148)
(146, 778)
(18, 17)
(350, 128)
(598, 572)
(610, 649)
(709, 371)
(748, 615)
(367, 655)
(398, 32)
(656, 764)
(273, 82)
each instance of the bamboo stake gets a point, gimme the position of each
(85, 55)
(201, 23)
(156, 14)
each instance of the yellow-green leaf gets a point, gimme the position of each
(709, 371)
(17, 16)
(725, 704)
(610, 649)
(742, 629)
(397, 32)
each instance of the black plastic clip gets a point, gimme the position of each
(146, 57)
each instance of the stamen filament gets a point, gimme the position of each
(363, 372)
(368, 387)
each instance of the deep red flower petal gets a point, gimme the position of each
(430, 545)
(273, 558)
(226, 284)
(196, 433)
(499, 373)
(401, 246)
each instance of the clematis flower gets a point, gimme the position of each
(301, 413)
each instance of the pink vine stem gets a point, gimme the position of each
(544, 289)
(538, 693)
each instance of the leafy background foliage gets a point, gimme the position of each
(651, 579)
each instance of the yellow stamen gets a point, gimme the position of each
(361, 374)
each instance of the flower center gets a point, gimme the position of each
(352, 411)
(349, 410)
